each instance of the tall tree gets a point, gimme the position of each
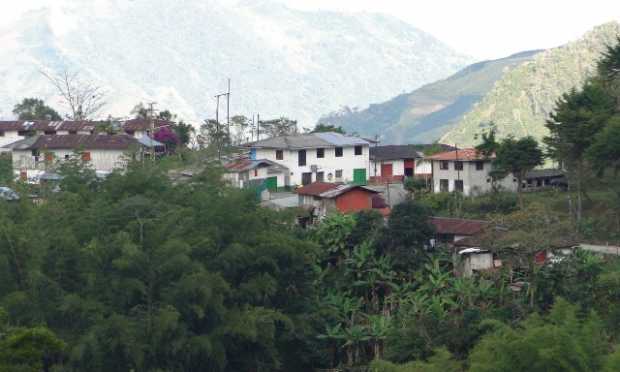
(579, 115)
(83, 98)
(35, 109)
(320, 127)
(279, 127)
(517, 156)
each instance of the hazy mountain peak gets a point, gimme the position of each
(281, 61)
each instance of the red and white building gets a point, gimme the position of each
(326, 198)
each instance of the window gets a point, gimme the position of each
(67, 156)
(358, 150)
(458, 185)
(279, 154)
(320, 176)
(301, 158)
(320, 153)
(86, 156)
(443, 165)
(255, 172)
(458, 165)
(1, 133)
(49, 132)
(338, 152)
(338, 174)
(479, 165)
(443, 185)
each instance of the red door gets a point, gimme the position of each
(386, 170)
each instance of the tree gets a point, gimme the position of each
(6, 168)
(577, 118)
(167, 136)
(320, 127)
(517, 156)
(35, 109)
(558, 342)
(30, 350)
(83, 98)
(408, 233)
(279, 127)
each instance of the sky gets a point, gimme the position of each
(483, 29)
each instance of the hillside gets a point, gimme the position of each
(425, 114)
(522, 99)
(179, 53)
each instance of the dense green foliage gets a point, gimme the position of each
(35, 109)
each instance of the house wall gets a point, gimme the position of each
(398, 167)
(353, 201)
(101, 160)
(475, 181)
(8, 137)
(423, 167)
(238, 179)
(328, 165)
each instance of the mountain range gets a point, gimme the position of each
(282, 61)
(515, 93)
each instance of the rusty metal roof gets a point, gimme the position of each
(458, 226)
(470, 154)
(76, 141)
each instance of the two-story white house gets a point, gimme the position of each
(37, 154)
(322, 157)
(466, 171)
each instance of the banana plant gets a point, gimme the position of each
(379, 327)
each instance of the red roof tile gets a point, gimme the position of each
(316, 188)
(458, 226)
(461, 154)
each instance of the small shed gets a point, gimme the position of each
(330, 197)
(475, 260)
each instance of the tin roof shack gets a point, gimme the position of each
(452, 230)
(538, 179)
(474, 260)
(328, 198)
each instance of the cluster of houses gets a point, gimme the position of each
(322, 173)
(36, 146)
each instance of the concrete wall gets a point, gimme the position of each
(398, 167)
(475, 181)
(8, 137)
(239, 179)
(328, 165)
(477, 262)
(101, 160)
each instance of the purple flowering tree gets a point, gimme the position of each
(168, 137)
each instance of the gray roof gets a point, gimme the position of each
(149, 142)
(306, 141)
(395, 152)
(544, 173)
(341, 189)
(22, 144)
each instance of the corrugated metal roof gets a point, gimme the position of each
(74, 141)
(342, 189)
(460, 154)
(458, 226)
(242, 165)
(394, 152)
(305, 141)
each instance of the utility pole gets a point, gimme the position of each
(228, 108)
(258, 127)
(152, 128)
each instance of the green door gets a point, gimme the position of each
(359, 176)
(271, 183)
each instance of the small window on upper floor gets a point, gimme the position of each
(338, 152)
(49, 132)
(338, 174)
(279, 154)
(458, 165)
(443, 164)
(1, 133)
(359, 150)
(479, 165)
(72, 132)
(320, 153)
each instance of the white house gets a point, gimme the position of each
(309, 158)
(393, 162)
(245, 172)
(34, 155)
(466, 171)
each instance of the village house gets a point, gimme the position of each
(537, 179)
(393, 163)
(453, 230)
(316, 157)
(326, 198)
(245, 172)
(34, 155)
(466, 171)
